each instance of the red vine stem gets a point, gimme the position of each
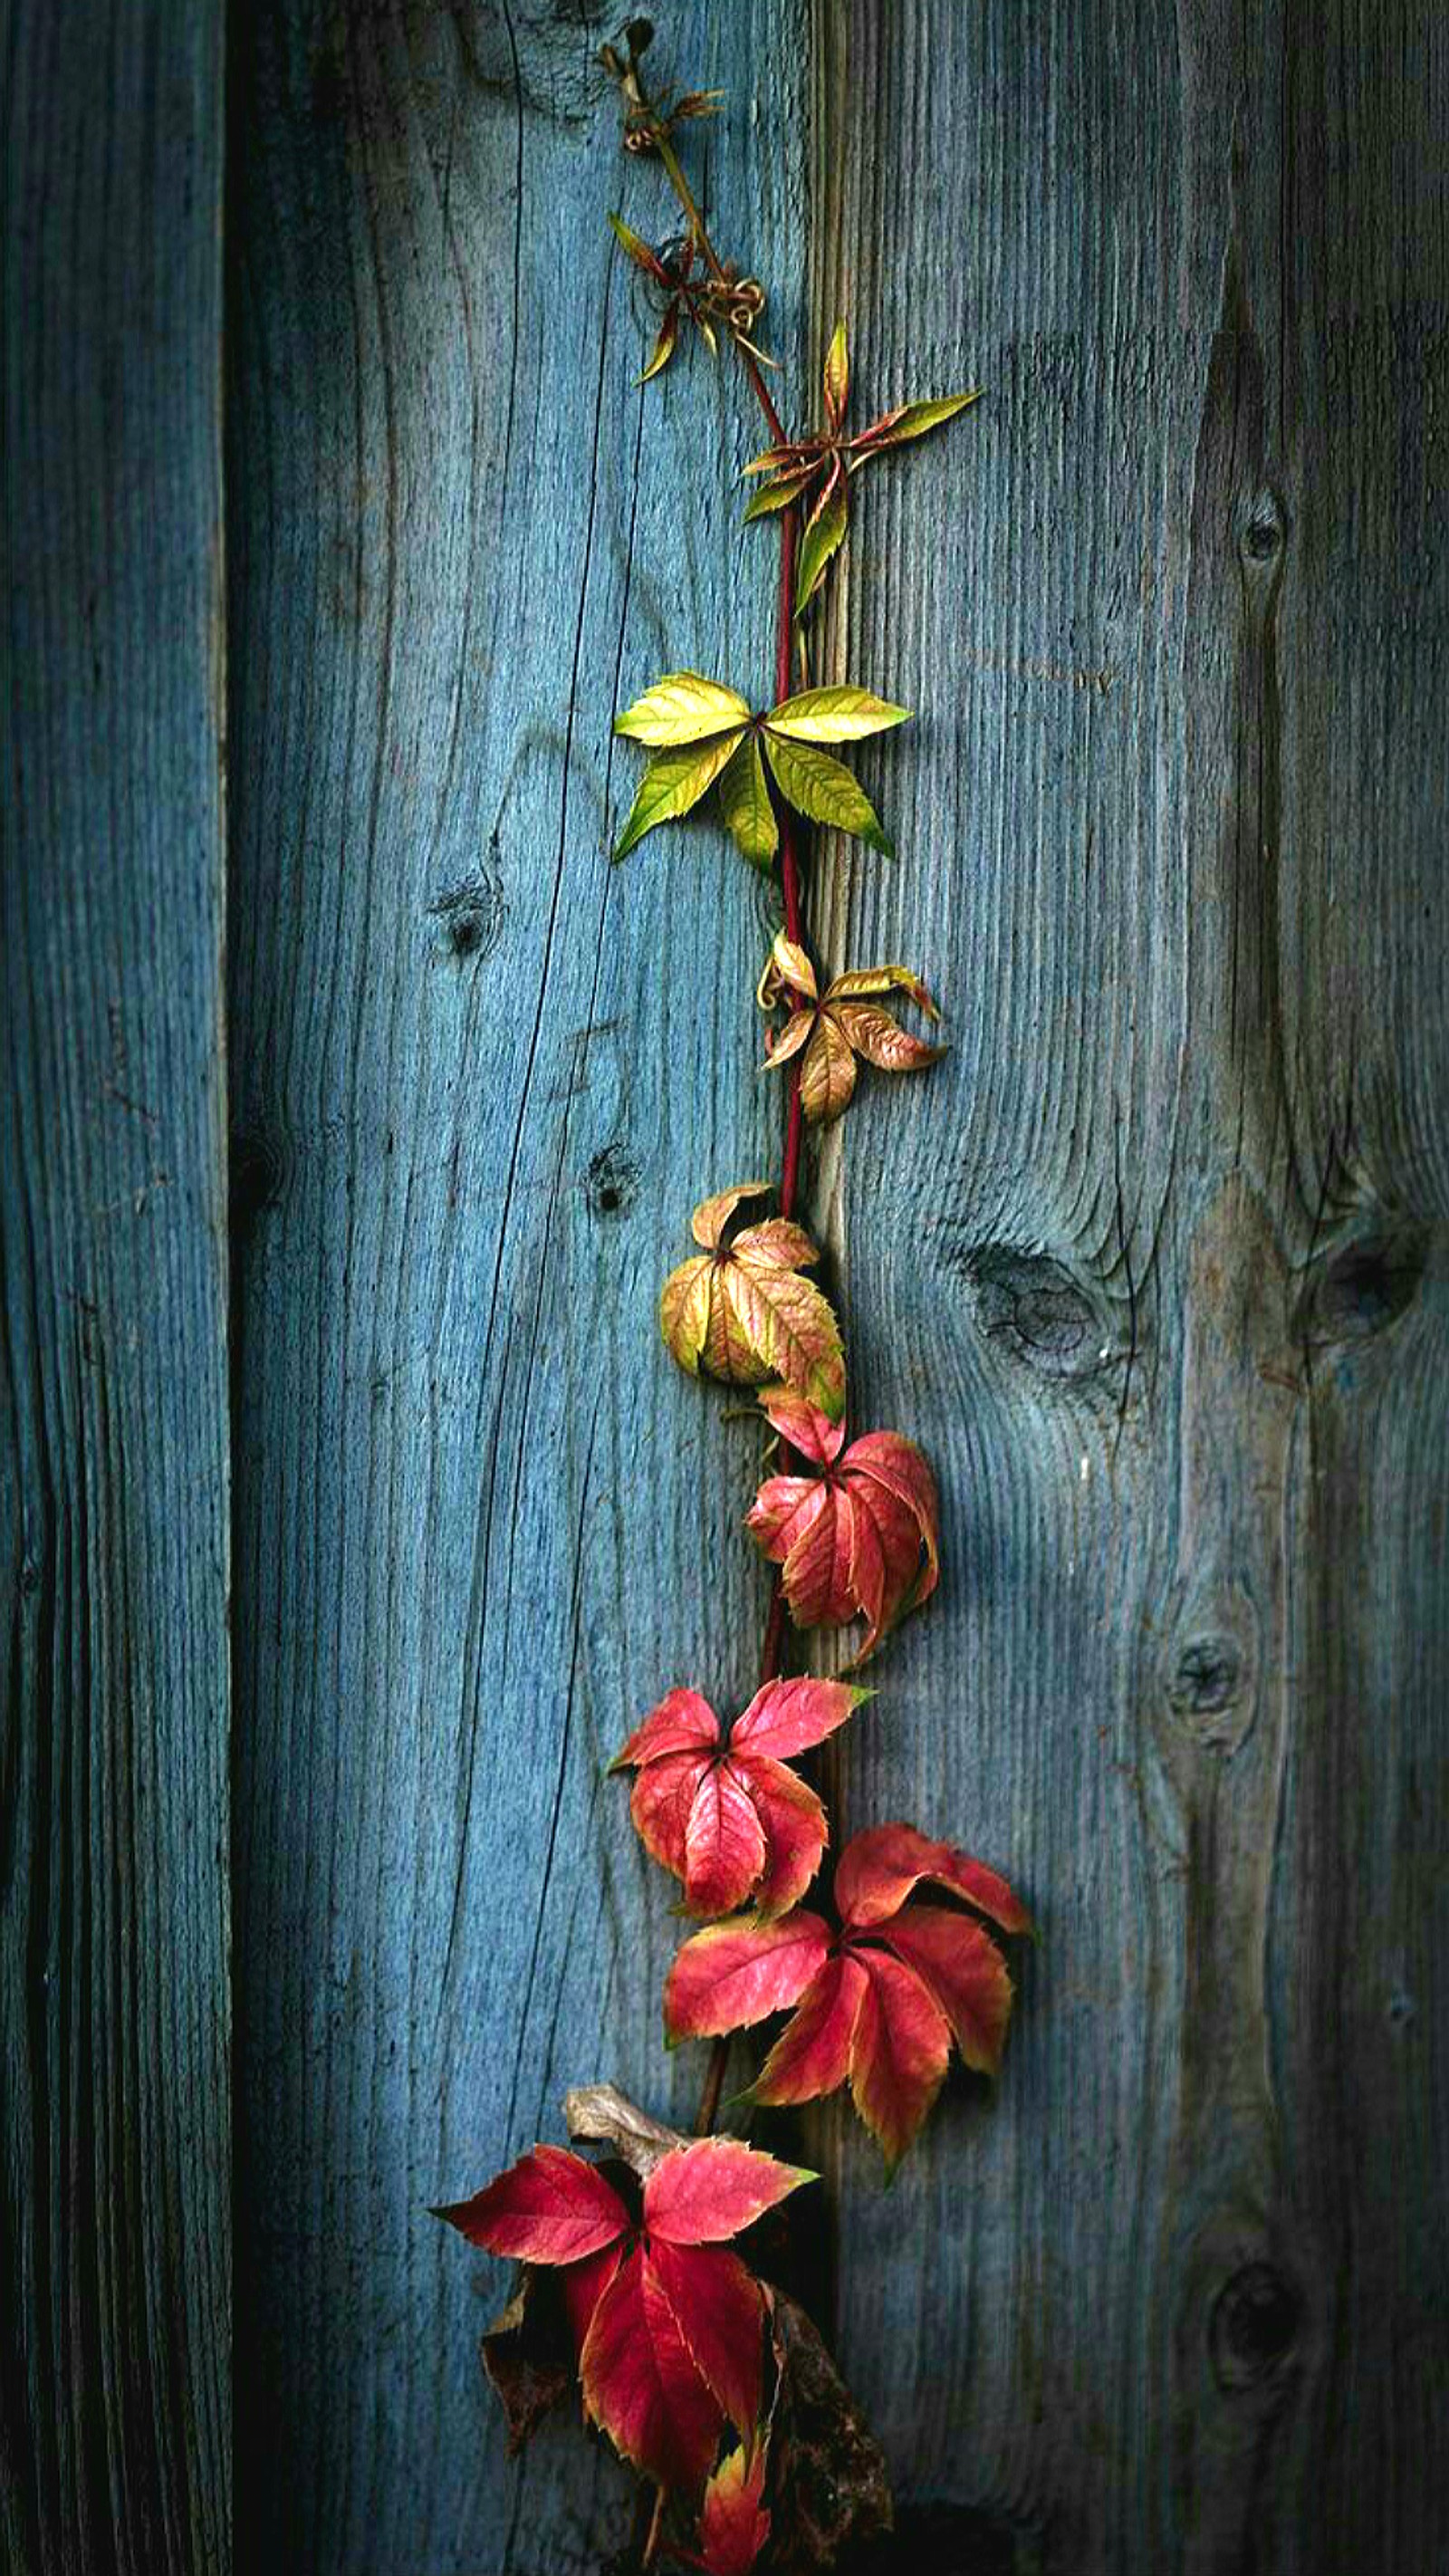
(792, 890)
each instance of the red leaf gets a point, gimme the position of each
(898, 2053)
(720, 2313)
(803, 1425)
(860, 1537)
(724, 1843)
(787, 1717)
(710, 2190)
(878, 1869)
(732, 1974)
(737, 1823)
(795, 1831)
(551, 2207)
(640, 2384)
(583, 2285)
(733, 2525)
(683, 1722)
(812, 2054)
(661, 1803)
(962, 1967)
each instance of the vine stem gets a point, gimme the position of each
(792, 890)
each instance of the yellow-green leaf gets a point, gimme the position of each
(778, 496)
(745, 804)
(682, 707)
(833, 715)
(837, 377)
(913, 420)
(824, 789)
(824, 533)
(639, 251)
(673, 782)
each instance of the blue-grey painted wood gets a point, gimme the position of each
(1173, 603)
(479, 1078)
(115, 2326)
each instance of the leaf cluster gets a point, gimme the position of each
(700, 733)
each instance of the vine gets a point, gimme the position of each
(707, 2378)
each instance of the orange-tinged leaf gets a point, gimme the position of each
(811, 2057)
(788, 969)
(682, 707)
(804, 1426)
(823, 789)
(823, 537)
(837, 376)
(912, 420)
(788, 1327)
(745, 804)
(834, 715)
(733, 2523)
(882, 1041)
(899, 2051)
(672, 786)
(724, 1843)
(641, 2385)
(721, 2315)
(686, 1303)
(733, 1974)
(711, 1218)
(714, 2188)
(782, 1045)
(870, 983)
(963, 1968)
(550, 2207)
(827, 1076)
(878, 1870)
(775, 1244)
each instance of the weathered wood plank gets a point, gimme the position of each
(1156, 1264)
(479, 1080)
(115, 2115)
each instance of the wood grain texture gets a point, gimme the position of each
(115, 2276)
(479, 1079)
(1156, 1263)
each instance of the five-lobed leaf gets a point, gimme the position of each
(732, 1821)
(742, 1312)
(830, 1030)
(877, 2004)
(698, 732)
(668, 2324)
(855, 1535)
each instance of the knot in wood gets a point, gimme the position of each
(1254, 2326)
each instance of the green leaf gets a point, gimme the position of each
(778, 496)
(837, 377)
(682, 707)
(823, 536)
(745, 803)
(913, 420)
(824, 789)
(639, 251)
(834, 715)
(674, 781)
(663, 349)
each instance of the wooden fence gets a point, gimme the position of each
(341, 1547)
